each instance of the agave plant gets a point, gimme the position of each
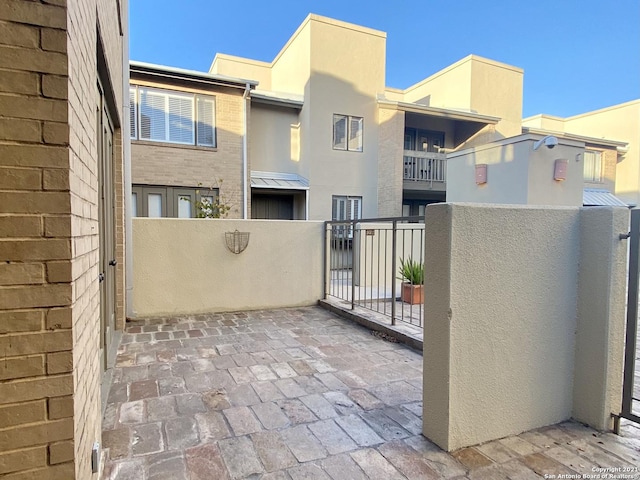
(411, 271)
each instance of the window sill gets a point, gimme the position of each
(180, 146)
(345, 150)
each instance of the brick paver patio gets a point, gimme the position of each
(302, 394)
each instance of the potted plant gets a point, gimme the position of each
(412, 276)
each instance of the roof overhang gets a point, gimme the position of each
(447, 113)
(603, 142)
(289, 100)
(172, 73)
(592, 197)
(278, 181)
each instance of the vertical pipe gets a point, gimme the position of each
(326, 260)
(353, 264)
(632, 315)
(394, 242)
(126, 153)
(245, 161)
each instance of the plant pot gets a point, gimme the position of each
(412, 294)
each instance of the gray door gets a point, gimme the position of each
(106, 219)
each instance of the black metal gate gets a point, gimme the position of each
(631, 386)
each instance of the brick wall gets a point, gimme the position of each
(36, 342)
(609, 162)
(83, 174)
(49, 315)
(168, 164)
(390, 162)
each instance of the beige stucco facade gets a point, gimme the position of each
(314, 67)
(63, 75)
(619, 123)
(409, 136)
(479, 85)
(517, 174)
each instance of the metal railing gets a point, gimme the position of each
(425, 166)
(362, 265)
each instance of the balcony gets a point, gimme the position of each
(424, 170)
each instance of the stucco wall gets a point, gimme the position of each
(507, 311)
(516, 174)
(273, 129)
(183, 266)
(619, 122)
(600, 335)
(342, 81)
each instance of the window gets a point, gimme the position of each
(173, 117)
(133, 113)
(593, 167)
(345, 208)
(176, 202)
(347, 133)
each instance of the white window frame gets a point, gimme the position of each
(194, 99)
(345, 208)
(593, 166)
(354, 138)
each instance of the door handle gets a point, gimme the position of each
(101, 277)
(113, 262)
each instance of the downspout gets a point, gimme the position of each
(126, 153)
(245, 199)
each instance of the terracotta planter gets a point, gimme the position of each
(412, 294)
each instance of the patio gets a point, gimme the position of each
(303, 394)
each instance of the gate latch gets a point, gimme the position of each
(624, 236)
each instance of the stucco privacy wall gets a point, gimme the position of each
(601, 296)
(183, 266)
(510, 316)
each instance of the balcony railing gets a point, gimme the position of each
(425, 166)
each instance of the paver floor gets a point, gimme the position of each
(302, 394)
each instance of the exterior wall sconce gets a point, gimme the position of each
(560, 169)
(481, 174)
(236, 241)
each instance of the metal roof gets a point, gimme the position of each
(278, 98)
(278, 180)
(181, 73)
(592, 197)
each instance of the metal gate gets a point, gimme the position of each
(631, 385)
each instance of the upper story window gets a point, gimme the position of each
(347, 133)
(173, 117)
(593, 166)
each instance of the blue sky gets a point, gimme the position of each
(577, 55)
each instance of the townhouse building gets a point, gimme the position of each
(316, 134)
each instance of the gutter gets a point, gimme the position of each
(245, 200)
(126, 167)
